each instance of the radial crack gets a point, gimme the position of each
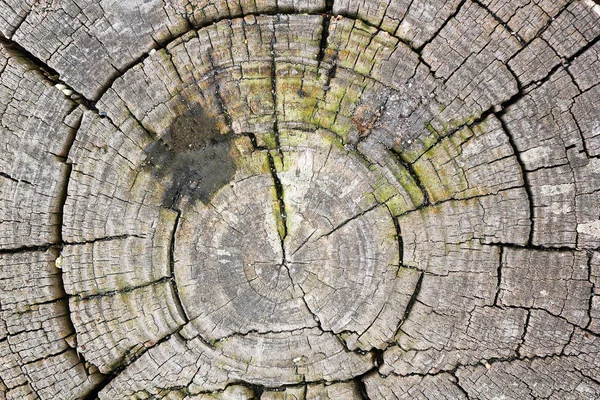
(499, 275)
(348, 220)
(527, 184)
(94, 394)
(281, 212)
(411, 171)
(172, 279)
(62, 200)
(411, 302)
(274, 95)
(325, 32)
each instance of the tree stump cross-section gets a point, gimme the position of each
(300, 199)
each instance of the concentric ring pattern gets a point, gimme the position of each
(300, 199)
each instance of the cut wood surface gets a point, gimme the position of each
(300, 199)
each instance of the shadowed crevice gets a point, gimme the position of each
(526, 182)
(499, 275)
(177, 297)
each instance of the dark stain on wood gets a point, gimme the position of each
(194, 158)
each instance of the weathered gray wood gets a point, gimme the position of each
(344, 390)
(534, 62)
(545, 110)
(118, 264)
(299, 199)
(552, 378)
(37, 344)
(525, 18)
(202, 367)
(415, 22)
(37, 126)
(561, 287)
(439, 386)
(595, 300)
(471, 162)
(573, 29)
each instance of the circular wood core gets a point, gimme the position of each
(299, 243)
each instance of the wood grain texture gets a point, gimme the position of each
(299, 199)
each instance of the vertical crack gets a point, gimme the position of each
(392, 16)
(274, 95)
(65, 185)
(499, 276)
(398, 237)
(526, 325)
(332, 70)
(325, 33)
(104, 379)
(62, 201)
(411, 302)
(282, 227)
(592, 288)
(361, 387)
(526, 182)
(64, 190)
(179, 304)
(257, 390)
(218, 94)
